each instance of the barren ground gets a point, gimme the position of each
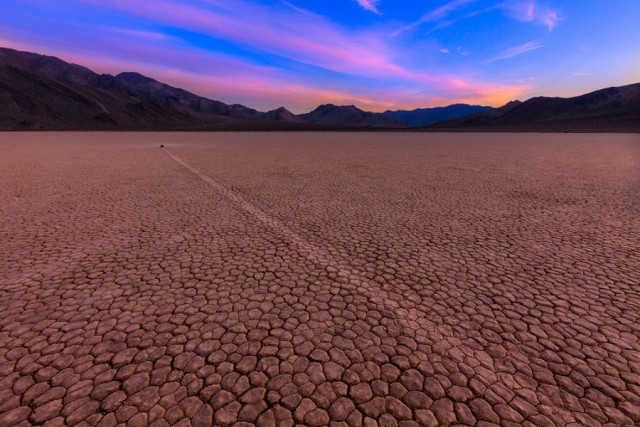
(319, 278)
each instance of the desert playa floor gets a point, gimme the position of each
(339, 279)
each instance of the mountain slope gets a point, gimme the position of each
(30, 101)
(349, 115)
(426, 116)
(615, 109)
(179, 99)
(283, 115)
(44, 92)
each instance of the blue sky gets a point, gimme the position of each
(377, 54)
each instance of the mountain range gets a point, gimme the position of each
(612, 109)
(425, 116)
(44, 92)
(349, 115)
(40, 92)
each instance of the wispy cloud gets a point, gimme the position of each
(370, 5)
(299, 9)
(550, 19)
(531, 11)
(521, 10)
(151, 35)
(436, 15)
(517, 50)
(309, 56)
(307, 39)
(462, 51)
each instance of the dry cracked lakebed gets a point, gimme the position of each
(342, 279)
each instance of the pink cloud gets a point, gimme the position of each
(302, 98)
(530, 11)
(264, 88)
(370, 5)
(288, 32)
(551, 18)
(309, 39)
(150, 35)
(305, 38)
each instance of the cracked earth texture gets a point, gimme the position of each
(319, 279)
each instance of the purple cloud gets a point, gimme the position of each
(370, 5)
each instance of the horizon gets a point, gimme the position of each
(374, 54)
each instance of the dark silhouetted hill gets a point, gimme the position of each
(349, 116)
(612, 109)
(425, 116)
(44, 92)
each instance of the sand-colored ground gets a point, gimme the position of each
(319, 278)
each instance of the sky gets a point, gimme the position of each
(376, 54)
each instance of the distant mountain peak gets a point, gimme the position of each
(46, 66)
(283, 115)
(349, 116)
(135, 78)
(421, 117)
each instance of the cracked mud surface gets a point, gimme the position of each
(319, 279)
